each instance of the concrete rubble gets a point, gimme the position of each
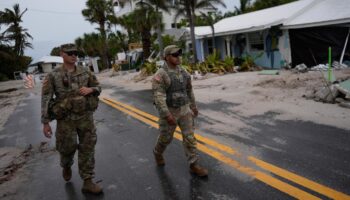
(324, 67)
(338, 92)
(302, 68)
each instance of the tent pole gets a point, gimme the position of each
(346, 43)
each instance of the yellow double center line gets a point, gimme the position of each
(263, 177)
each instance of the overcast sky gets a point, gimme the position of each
(53, 22)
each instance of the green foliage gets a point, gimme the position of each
(250, 6)
(149, 68)
(141, 21)
(91, 44)
(167, 40)
(212, 64)
(128, 22)
(55, 51)
(188, 8)
(188, 68)
(202, 67)
(249, 62)
(170, 40)
(229, 64)
(14, 32)
(11, 62)
(262, 4)
(244, 7)
(99, 12)
(215, 65)
(117, 42)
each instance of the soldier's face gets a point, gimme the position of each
(69, 57)
(174, 59)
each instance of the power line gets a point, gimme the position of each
(53, 12)
(45, 11)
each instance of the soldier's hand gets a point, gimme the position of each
(85, 91)
(170, 119)
(195, 111)
(47, 130)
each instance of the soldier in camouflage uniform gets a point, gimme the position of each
(70, 95)
(174, 99)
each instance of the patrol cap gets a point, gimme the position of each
(172, 49)
(68, 47)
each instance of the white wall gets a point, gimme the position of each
(47, 67)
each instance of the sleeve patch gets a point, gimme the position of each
(157, 78)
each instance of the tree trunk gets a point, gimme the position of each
(159, 34)
(146, 43)
(190, 17)
(105, 63)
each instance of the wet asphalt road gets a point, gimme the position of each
(125, 164)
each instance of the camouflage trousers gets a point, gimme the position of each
(186, 124)
(77, 134)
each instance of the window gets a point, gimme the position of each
(256, 41)
(173, 25)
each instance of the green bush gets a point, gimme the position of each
(249, 62)
(229, 64)
(10, 62)
(149, 68)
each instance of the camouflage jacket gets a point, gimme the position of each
(161, 83)
(59, 83)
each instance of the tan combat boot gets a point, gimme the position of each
(198, 170)
(91, 187)
(67, 173)
(159, 159)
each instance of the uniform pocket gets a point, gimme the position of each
(92, 102)
(78, 104)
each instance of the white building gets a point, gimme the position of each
(297, 32)
(47, 63)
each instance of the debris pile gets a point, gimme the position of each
(302, 68)
(338, 92)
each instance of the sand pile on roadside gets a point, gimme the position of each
(252, 95)
(11, 92)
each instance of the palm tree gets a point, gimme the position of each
(98, 11)
(209, 18)
(91, 44)
(145, 20)
(15, 32)
(118, 42)
(159, 5)
(262, 4)
(141, 21)
(243, 8)
(128, 22)
(156, 5)
(188, 9)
